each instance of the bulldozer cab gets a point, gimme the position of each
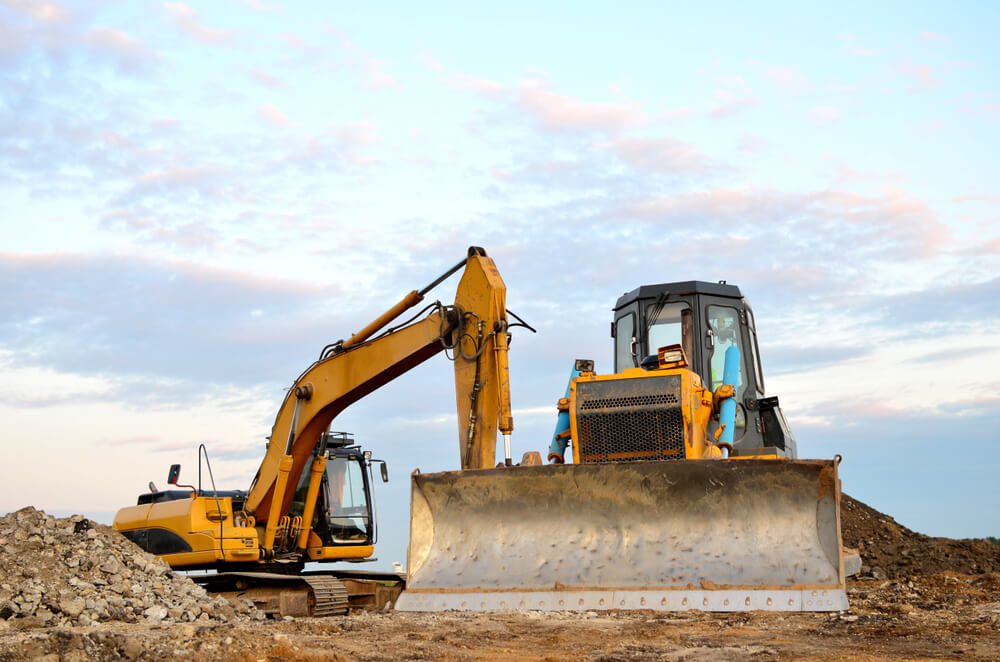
(705, 319)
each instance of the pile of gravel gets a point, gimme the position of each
(63, 571)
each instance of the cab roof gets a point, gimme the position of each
(678, 288)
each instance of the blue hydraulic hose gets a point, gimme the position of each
(558, 445)
(727, 412)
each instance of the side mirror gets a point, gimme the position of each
(384, 470)
(174, 475)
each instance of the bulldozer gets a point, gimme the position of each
(311, 500)
(683, 489)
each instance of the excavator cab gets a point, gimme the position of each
(345, 510)
(706, 319)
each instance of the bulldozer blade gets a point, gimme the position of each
(714, 535)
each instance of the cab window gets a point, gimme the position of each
(624, 332)
(755, 352)
(724, 322)
(667, 324)
(348, 517)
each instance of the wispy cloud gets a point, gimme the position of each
(788, 79)
(128, 52)
(482, 86)
(921, 75)
(660, 155)
(824, 115)
(41, 11)
(934, 37)
(729, 103)
(559, 112)
(271, 115)
(266, 79)
(186, 18)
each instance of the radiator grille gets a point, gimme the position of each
(630, 419)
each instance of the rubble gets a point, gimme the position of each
(72, 571)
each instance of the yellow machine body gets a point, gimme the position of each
(675, 408)
(203, 525)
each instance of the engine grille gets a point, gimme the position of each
(630, 419)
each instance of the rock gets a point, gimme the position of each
(72, 607)
(156, 613)
(110, 566)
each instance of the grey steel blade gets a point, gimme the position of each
(633, 530)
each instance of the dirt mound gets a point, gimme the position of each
(61, 571)
(890, 550)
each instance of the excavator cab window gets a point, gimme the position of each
(348, 513)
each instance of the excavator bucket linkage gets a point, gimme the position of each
(723, 535)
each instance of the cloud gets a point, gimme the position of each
(186, 19)
(728, 104)
(784, 358)
(336, 147)
(430, 62)
(976, 304)
(267, 80)
(260, 6)
(893, 223)
(752, 144)
(922, 75)
(131, 317)
(824, 115)
(675, 114)
(129, 53)
(787, 79)
(271, 115)
(43, 12)
(660, 155)
(557, 112)
(934, 37)
(851, 45)
(372, 67)
(482, 86)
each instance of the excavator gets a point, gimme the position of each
(311, 498)
(684, 490)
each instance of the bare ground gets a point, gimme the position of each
(942, 616)
(919, 598)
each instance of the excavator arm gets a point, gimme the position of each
(474, 328)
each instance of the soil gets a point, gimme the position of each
(920, 598)
(890, 550)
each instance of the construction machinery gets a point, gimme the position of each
(684, 491)
(311, 499)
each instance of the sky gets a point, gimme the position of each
(196, 198)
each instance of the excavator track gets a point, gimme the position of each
(281, 595)
(329, 593)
